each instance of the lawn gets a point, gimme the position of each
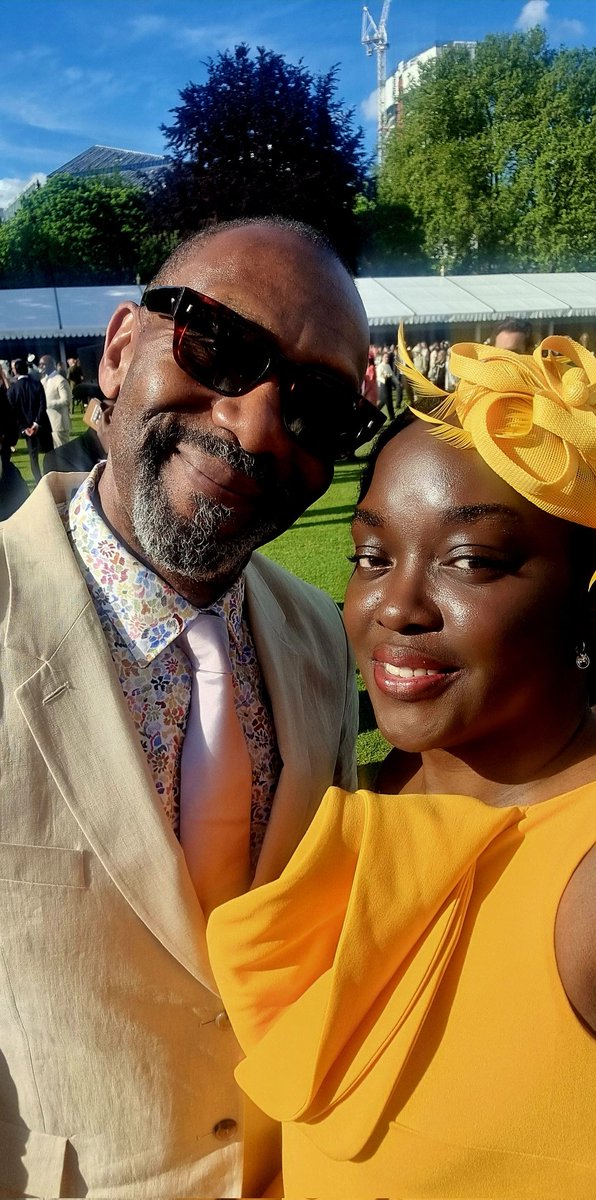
(316, 548)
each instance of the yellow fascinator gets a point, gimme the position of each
(531, 417)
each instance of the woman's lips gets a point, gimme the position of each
(406, 676)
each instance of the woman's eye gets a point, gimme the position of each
(367, 561)
(477, 562)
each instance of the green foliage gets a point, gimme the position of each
(495, 157)
(389, 234)
(262, 136)
(77, 230)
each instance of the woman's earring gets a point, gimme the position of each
(582, 658)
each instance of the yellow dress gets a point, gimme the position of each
(397, 997)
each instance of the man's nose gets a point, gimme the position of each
(255, 419)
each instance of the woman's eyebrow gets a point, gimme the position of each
(469, 513)
(367, 516)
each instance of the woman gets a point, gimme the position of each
(370, 389)
(416, 995)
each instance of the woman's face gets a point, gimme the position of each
(463, 608)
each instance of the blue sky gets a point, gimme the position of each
(77, 72)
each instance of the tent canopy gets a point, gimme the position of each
(31, 313)
(443, 299)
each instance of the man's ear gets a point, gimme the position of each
(118, 349)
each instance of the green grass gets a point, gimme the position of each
(316, 548)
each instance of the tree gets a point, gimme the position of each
(77, 230)
(494, 156)
(262, 137)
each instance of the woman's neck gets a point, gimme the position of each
(533, 774)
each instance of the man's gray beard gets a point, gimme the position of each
(195, 547)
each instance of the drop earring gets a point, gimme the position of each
(582, 658)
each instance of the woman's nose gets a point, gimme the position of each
(408, 603)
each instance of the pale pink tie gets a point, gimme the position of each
(215, 773)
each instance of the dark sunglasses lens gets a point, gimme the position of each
(221, 351)
(319, 414)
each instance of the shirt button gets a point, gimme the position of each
(222, 1020)
(224, 1129)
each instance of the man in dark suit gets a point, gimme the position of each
(28, 401)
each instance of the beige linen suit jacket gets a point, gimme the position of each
(59, 406)
(116, 1060)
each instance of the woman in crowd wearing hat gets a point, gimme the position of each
(416, 995)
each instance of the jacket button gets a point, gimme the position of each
(222, 1020)
(225, 1129)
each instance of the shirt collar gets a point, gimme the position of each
(147, 613)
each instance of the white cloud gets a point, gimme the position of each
(147, 26)
(535, 12)
(11, 188)
(72, 107)
(368, 107)
(571, 28)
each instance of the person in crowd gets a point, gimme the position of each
(386, 380)
(174, 708)
(515, 335)
(28, 402)
(438, 365)
(33, 367)
(74, 372)
(13, 489)
(58, 400)
(91, 447)
(370, 389)
(415, 995)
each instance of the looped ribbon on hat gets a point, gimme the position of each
(532, 418)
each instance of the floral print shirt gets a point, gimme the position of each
(142, 617)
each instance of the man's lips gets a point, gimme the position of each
(214, 477)
(405, 675)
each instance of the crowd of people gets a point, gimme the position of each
(37, 397)
(227, 970)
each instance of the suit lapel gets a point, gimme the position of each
(74, 707)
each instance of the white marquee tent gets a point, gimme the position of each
(35, 314)
(451, 299)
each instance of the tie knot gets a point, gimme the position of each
(207, 643)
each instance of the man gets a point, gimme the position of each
(515, 335)
(91, 447)
(33, 368)
(58, 400)
(234, 385)
(74, 373)
(27, 399)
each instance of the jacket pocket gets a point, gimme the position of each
(50, 866)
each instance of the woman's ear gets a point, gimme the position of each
(118, 349)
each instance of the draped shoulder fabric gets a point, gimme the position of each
(321, 973)
(334, 974)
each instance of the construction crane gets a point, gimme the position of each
(375, 41)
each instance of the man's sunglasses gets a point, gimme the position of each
(230, 355)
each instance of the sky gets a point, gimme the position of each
(81, 72)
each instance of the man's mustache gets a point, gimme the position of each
(166, 433)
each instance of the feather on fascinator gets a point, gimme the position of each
(531, 417)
